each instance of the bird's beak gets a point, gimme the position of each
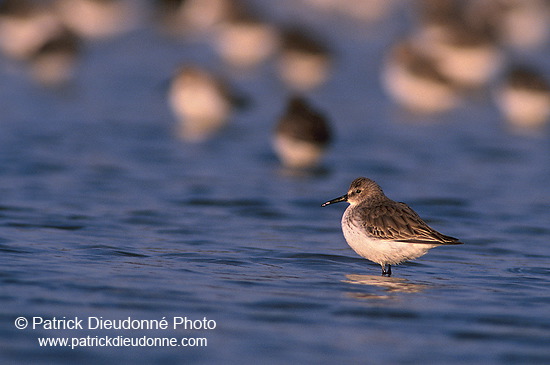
(343, 198)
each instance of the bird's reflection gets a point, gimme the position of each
(388, 284)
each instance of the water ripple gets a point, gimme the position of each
(60, 226)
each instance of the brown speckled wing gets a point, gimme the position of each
(395, 221)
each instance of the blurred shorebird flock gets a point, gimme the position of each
(450, 52)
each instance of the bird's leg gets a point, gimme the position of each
(386, 272)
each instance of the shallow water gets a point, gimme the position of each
(106, 213)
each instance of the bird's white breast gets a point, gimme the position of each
(376, 250)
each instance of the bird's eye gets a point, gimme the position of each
(358, 191)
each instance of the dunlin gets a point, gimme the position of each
(244, 40)
(191, 17)
(99, 19)
(25, 26)
(201, 102)
(467, 56)
(54, 63)
(413, 80)
(382, 230)
(304, 61)
(524, 97)
(301, 135)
